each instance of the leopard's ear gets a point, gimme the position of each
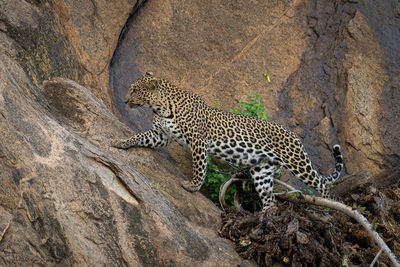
(152, 85)
(149, 73)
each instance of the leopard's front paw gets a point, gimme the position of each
(120, 144)
(189, 186)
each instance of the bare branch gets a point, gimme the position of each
(376, 258)
(224, 187)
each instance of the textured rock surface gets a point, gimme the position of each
(334, 67)
(371, 128)
(92, 29)
(66, 196)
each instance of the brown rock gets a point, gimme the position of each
(369, 94)
(67, 197)
(334, 68)
(216, 49)
(75, 200)
(92, 29)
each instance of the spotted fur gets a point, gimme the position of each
(264, 146)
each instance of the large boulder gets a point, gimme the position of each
(66, 196)
(333, 65)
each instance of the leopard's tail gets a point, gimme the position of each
(337, 154)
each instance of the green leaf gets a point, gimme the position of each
(247, 113)
(245, 105)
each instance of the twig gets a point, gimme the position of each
(289, 192)
(376, 258)
(222, 191)
(350, 212)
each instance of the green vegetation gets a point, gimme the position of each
(308, 191)
(215, 177)
(363, 210)
(254, 108)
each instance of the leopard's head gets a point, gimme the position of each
(143, 92)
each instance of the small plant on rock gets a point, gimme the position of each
(254, 107)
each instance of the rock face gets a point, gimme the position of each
(67, 197)
(92, 29)
(334, 67)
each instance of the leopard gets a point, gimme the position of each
(263, 146)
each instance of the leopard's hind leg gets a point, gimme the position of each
(263, 178)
